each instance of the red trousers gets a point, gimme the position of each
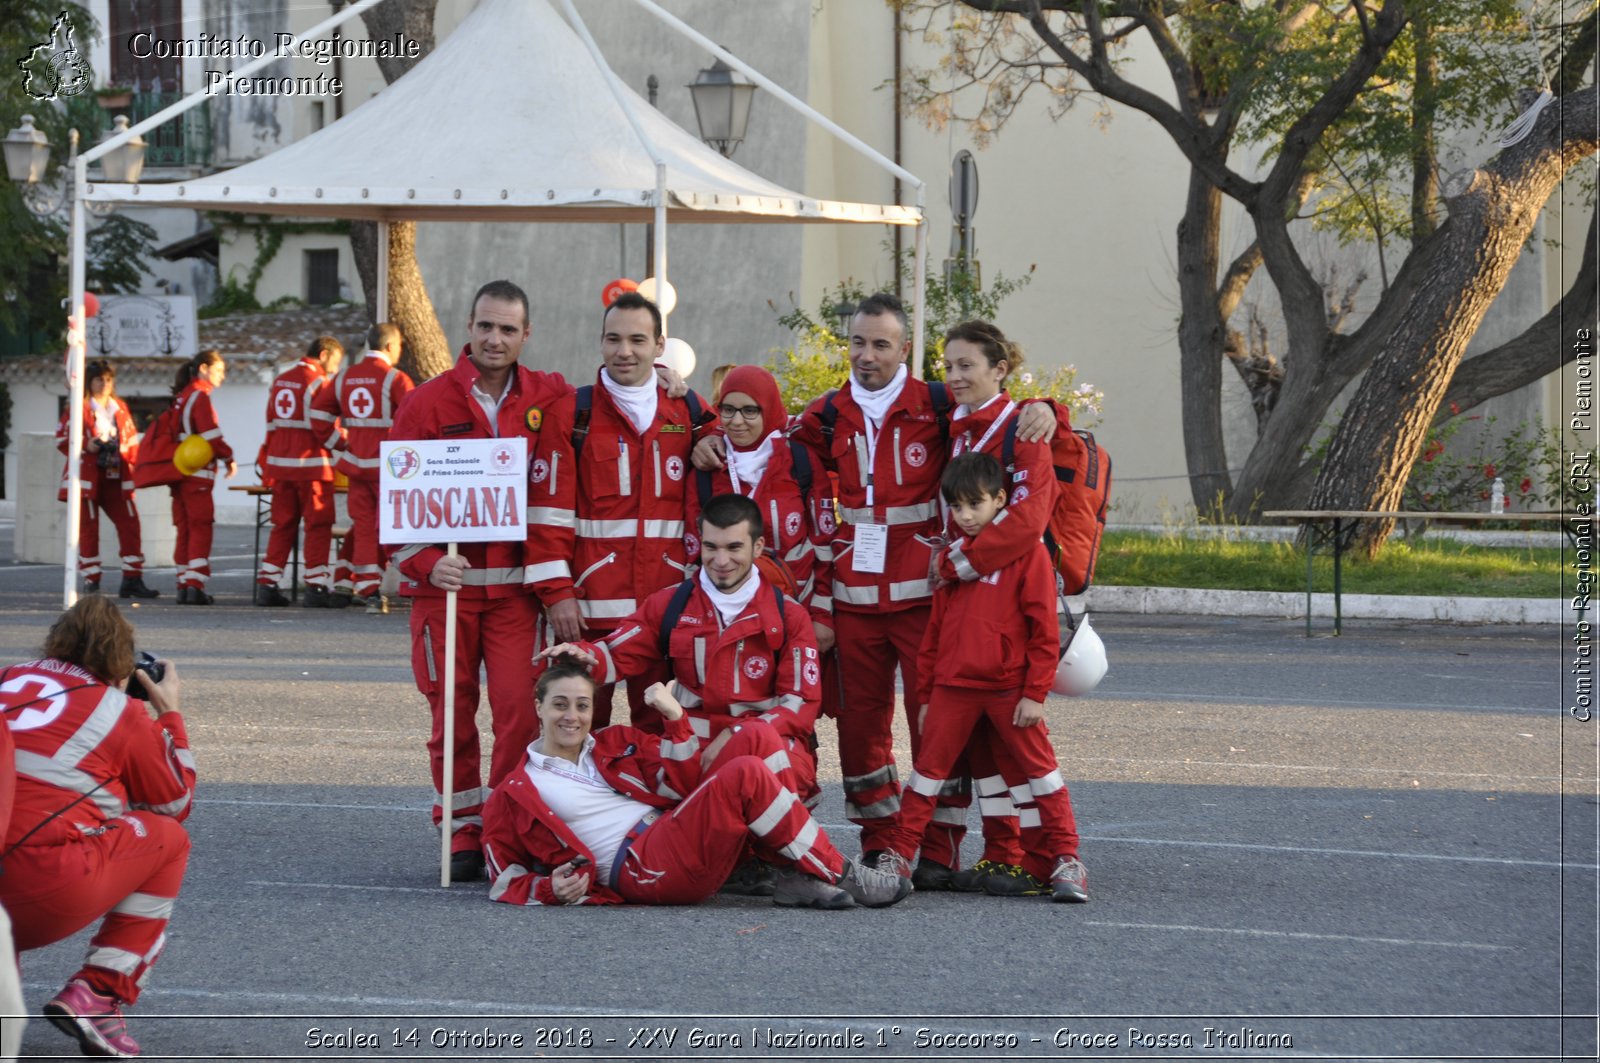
(193, 514)
(1044, 808)
(365, 555)
(106, 495)
(495, 635)
(130, 873)
(294, 501)
(688, 853)
(870, 645)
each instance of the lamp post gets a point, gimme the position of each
(27, 152)
(722, 106)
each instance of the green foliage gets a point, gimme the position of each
(230, 298)
(117, 248)
(820, 359)
(234, 297)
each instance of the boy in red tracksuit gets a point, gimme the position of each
(962, 683)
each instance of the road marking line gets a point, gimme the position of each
(1316, 767)
(1505, 860)
(349, 886)
(1300, 936)
(318, 804)
(1290, 700)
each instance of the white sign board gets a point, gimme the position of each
(452, 490)
(144, 326)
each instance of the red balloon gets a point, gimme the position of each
(91, 304)
(610, 292)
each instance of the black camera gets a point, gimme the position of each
(108, 458)
(147, 661)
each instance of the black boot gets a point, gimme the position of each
(316, 597)
(267, 594)
(133, 587)
(91, 586)
(183, 594)
(339, 600)
(197, 596)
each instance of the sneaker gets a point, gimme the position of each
(1011, 881)
(271, 596)
(874, 887)
(466, 866)
(96, 1021)
(931, 876)
(316, 597)
(134, 587)
(796, 889)
(339, 600)
(1069, 882)
(971, 879)
(753, 878)
(377, 605)
(887, 861)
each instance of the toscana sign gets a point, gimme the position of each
(459, 491)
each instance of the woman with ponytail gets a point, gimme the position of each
(193, 508)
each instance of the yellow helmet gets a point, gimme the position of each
(192, 455)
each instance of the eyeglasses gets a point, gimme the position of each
(749, 413)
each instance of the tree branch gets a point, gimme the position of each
(1541, 349)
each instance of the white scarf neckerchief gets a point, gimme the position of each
(105, 419)
(966, 411)
(731, 603)
(639, 403)
(746, 467)
(875, 404)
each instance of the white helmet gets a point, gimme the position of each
(1083, 663)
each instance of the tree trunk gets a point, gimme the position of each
(1385, 425)
(1201, 336)
(427, 351)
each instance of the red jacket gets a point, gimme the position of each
(355, 413)
(443, 408)
(89, 470)
(295, 447)
(196, 416)
(909, 459)
(524, 841)
(791, 521)
(1032, 490)
(998, 632)
(76, 736)
(612, 533)
(762, 663)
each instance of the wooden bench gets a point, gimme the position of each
(1339, 527)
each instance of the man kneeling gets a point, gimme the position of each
(603, 818)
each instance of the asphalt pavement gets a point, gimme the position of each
(1377, 846)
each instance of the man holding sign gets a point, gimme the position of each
(488, 395)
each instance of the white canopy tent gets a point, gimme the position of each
(560, 139)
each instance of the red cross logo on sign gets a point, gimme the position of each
(283, 403)
(360, 402)
(46, 699)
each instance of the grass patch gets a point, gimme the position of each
(1428, 566)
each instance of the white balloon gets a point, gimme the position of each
(679, 355)
(667, 299)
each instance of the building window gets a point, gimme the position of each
(146, 72)
(322, 277)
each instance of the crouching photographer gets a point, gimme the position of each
(103, 781)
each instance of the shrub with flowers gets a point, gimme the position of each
(819, 358)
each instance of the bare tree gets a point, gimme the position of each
(1314, 84)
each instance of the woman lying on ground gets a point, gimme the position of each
(621, 816)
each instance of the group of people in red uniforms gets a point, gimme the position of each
(744, 573)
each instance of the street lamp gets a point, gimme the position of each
(28, 164)
(722, 106)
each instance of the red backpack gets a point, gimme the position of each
(1083, 489)
(154, 465)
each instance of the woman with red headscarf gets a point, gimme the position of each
(778, 475)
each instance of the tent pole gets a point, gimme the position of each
(383, 273)
(76, 329)
(919, 280)
(659, 251)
